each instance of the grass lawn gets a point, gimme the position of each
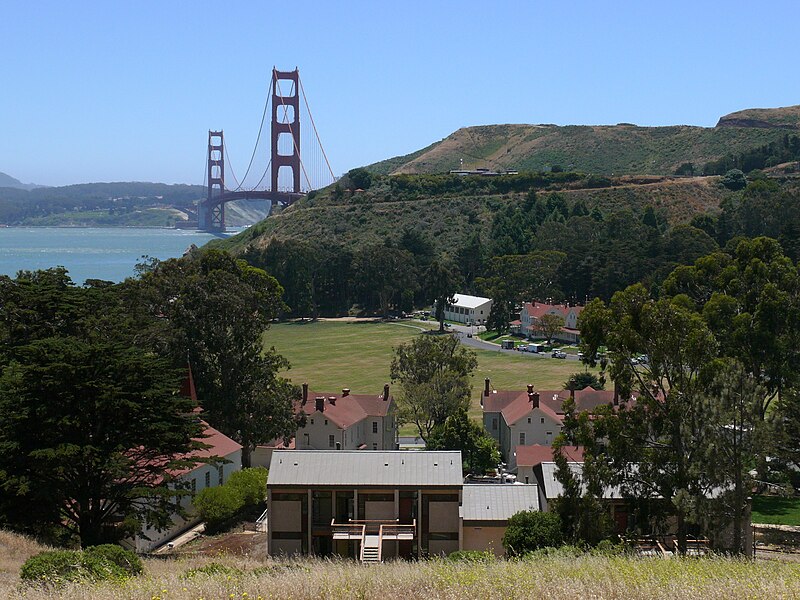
(776, 510)
(332, 355)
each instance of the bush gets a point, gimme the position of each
(250, 484)
(530, 530)
(125, 559)
(218, 505)
(734, 180)
(474, 556)
(211, 570)
(95, 564)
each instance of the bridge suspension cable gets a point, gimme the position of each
(314, 126)
(258, 140)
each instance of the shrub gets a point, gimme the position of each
(218, 505)
(125, 559)
(734, 180)
(530, 530)
(250, 484)
(95, 564)
(475, 556)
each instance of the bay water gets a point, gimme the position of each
(92, 252)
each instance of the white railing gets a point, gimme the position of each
(261, 522)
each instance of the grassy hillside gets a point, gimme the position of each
(607, 149)
(360, 219)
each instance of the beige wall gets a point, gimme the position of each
(482, 538)
(379, 510)
(318, 433)
(291, 516)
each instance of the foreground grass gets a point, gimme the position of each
(333, 355)
(776, 510)
(551, 577)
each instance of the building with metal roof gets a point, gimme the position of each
(468, 309)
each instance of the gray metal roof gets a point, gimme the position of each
(497, 502)
(553, 487)
(365, 467)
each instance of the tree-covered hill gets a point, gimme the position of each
(606, 149)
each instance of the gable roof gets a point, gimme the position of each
(497, 502)
(219, 445)
(535, 454)
(554, 489)
(354, 468)
(539, 309)
(347, 410)
(521, 407)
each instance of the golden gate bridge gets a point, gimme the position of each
(287, 177)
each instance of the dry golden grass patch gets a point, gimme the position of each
(251, 578)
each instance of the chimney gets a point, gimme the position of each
(616, 395)
(305, 393)
(332, 400)
(385, 392)
(345, 392)
(530, 388)
(534, 399)
(572, 392)
(486, 387)
(320, 400)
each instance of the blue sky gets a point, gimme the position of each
(121, 91)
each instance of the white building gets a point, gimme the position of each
(468, 309)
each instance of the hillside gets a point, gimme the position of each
(114, 204)
(376, 214)
(622, 149)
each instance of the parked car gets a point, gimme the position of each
(558, 354)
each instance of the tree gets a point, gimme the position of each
(479, 451)
(220, 309)
(442, 280)
(90, 431)
(582, 380)
(433, 372)
(734, 180)
(382, 272)
(550, 325)
(656, 446)
(530, 530)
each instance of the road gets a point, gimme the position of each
(475, 342)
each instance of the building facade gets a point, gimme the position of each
(533, 311)
(470, 310)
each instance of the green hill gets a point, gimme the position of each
(622, 149)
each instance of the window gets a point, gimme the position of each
(208, 478)
(221, 475)
(521, 438)
(494, 423)
(331, 441)
(326, 421)
(526, 479)
(542, 420)
(529, 420)
(374, 446)
(194, 485)
(312, 421)
(374, 427)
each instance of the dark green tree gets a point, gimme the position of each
(530, 530)
(442, 281)
(433, 372)
(479, 452)
(90, 431)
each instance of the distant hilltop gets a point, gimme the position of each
(622, 149)
(6, 181)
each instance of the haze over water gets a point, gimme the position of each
(91, 253)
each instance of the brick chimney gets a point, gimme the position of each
(530, 388)
(572, 392)
(385, 392)
(616, 395)
(345, 392)
(320, 403)
(332, 400)
(305, 393)
(534, 399)
(486, 387)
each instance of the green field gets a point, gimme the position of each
(334, 355)
(776, 510)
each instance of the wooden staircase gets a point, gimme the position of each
(371, 549)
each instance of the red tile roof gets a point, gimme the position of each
(538, 309)
(514, 405)
(535, 454)
(347, 410)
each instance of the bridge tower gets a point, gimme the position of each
(286, 122)
(211, 216)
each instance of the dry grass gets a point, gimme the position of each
(551, 577)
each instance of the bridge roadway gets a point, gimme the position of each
(285, 198)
